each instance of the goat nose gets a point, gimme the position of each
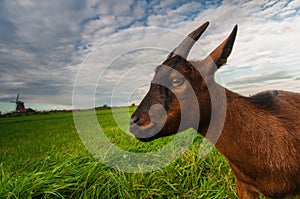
(134, 120)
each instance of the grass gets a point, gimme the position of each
(42, 156)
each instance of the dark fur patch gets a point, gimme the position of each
(266, 99)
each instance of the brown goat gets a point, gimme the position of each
(260, 135)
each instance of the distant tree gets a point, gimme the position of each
(133, 104)
(105, 106)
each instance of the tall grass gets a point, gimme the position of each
(41, 156)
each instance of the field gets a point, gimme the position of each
(42, 156)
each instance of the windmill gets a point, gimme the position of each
(19, 104)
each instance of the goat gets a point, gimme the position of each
(260, 136)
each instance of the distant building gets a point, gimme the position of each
(20, 106)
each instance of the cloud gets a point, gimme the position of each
(43, 45)
(262, 77)
(35, 58)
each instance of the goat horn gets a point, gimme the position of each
(185, 46)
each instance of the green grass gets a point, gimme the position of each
(42, 156)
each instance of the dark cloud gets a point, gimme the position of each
(37, 42)
(42, 43)
(279, 75)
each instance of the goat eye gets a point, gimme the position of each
(177, 82)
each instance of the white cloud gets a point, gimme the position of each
(43, 35)
(294, 4)
(48, 40)
(112, 7)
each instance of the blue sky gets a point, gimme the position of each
(45, 44)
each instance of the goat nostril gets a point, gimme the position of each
(134, 120)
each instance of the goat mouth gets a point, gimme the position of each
(145, 133)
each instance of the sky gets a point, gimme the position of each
(104, 52)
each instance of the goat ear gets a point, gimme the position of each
(221, 53)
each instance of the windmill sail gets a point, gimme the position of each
(19, 104)
(17, 99)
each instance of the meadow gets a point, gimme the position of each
(42, 156)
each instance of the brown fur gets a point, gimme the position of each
(262, 145)
(260, 137)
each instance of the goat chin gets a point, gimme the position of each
(145, 133)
